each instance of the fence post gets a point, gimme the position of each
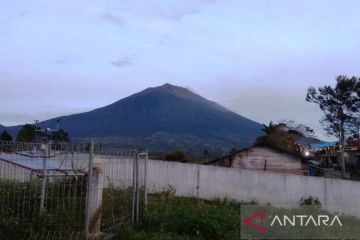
(89, 176)
(134, 217)
(137, 188)
(197, 180)
(145, 180)
(95, 197)
(95, 182)
(44, 173)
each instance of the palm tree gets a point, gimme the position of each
(269, 129)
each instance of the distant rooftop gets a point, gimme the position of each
(308, 141)
(323, 145)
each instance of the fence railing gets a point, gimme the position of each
(72, 189)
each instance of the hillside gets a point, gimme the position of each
(162, 118)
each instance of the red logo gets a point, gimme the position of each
(261, 215)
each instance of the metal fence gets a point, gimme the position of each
(69, 191)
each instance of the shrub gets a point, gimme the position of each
(310, 201)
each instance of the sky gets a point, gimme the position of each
(256, 57)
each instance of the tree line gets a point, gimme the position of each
(31, 133)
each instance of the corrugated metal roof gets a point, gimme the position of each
(323, 145)
(307, 141)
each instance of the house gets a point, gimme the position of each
(304, 143)
(326, 153)
(265, 158)
(327, 156)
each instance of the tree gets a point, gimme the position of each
(269, 129)
(278, 136)
(340, 105)
(5, 136)
(60, 136)
(27, 133)
(298, 128)
(175, 156)
(284, 135)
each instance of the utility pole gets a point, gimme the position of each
(47, 148)
(44, 179)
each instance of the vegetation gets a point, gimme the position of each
(60, 136)
(284, 135)
(20, 208)
(271, 128)
(176, 218)
(299, 129)
(170, 217)
(5, 136)
(167, 216)
(175, 156)
(341, 108)
(64, 214)
(29, 133)
(310, 201)
(188, 157)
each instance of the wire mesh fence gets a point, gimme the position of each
(69, 191)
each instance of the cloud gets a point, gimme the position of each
(175, 10)
(117, 20)
(61, 61)
(176, 15)
(124, 62)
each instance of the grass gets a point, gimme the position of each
(64, 212)
(169, 217)
(20, 214)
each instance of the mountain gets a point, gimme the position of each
(162, 119)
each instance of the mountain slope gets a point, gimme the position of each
(162, 115)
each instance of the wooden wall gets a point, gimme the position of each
(268, 159)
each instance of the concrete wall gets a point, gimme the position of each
(209, 182)
(182, 176)
(286, 190)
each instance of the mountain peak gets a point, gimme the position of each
(168, 85)
(169, 88)
(180, 92)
